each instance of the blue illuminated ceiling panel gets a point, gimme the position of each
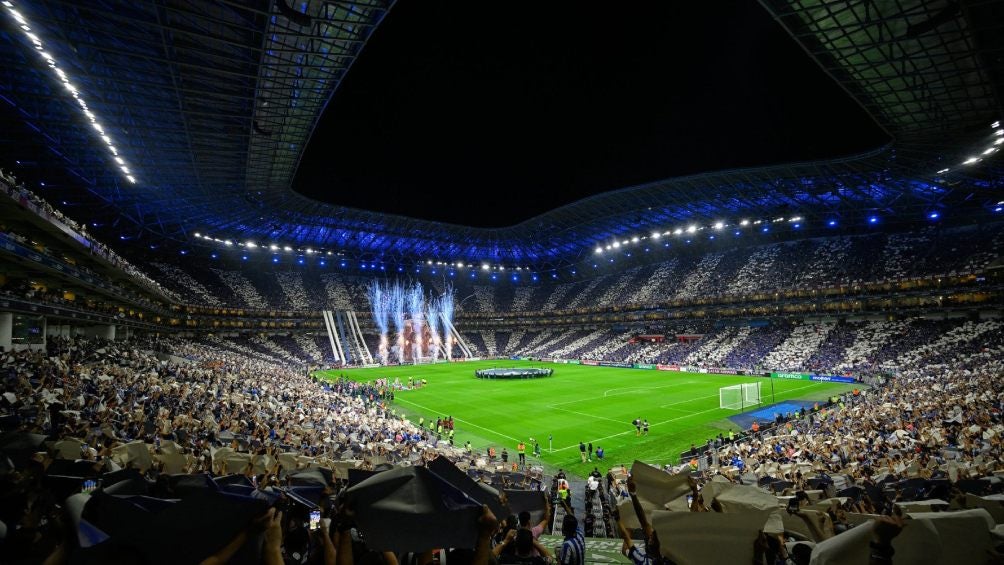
(211, 104)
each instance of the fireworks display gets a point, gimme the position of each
(421, 324)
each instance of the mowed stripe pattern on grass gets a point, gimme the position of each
(579, 403)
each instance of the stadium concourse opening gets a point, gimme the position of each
(514, 373)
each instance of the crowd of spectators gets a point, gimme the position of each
(40, 206)
(156, 427)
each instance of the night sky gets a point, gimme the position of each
(487, 114)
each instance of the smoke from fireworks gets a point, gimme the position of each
(446, 317)
(416, 308)
(432, 319)
(396, 293)
(380, 307)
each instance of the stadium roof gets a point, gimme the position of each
(208, 106)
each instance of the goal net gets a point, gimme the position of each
(737, 397)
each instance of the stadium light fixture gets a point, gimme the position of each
(273, 247)
(656, 235)
(634, 239)
(616, 244)
(999, 132)
(943, 171)
(197, 234)
(691, 228)
(251, 244)
(990, 150)
(971, 160)
(999, 140)
(996, 124)
(484, 267)
(599, 250)
(677, 231)
(719, 225)
(50, 61)
(287, 248)
(744, 223)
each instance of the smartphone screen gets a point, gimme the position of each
(88, 486)
(315, 519)
(690, 499)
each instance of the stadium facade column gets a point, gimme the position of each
(6, 325)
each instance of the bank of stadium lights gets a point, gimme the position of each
(795, 221)
(50, 61)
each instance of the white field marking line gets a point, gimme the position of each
(459, 420)
(628, 390)
(587, 415)
(650, 426)
(671, 420)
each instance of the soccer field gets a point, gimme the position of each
(579, 403)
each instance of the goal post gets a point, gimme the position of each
(737, 397)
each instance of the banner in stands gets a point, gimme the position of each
(590, 362)
(724, 371)
(791, 376)
(572, 361)
(668, 367)
(833, 378)
(813, 377)
(620, 364)
(644, 366)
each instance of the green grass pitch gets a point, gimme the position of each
(579, 403)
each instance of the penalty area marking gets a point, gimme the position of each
(630, 389)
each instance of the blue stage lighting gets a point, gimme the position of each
(832, 223)
(494, 277)
(214, 256)
(796, 226)
(342, 263)
(300, 260)
(765, 229)
(323, 263)
(999, 208)
(434, 271)
(554, 275)
(473, 274)
(275, 259)
(363, 266)
(534, 277)
(873, 220)
(184, 252)
(400, 269)
(934, 215)
(711, 237)
(737, 233)
(244, 257)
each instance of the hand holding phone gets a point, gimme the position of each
(315, 520)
